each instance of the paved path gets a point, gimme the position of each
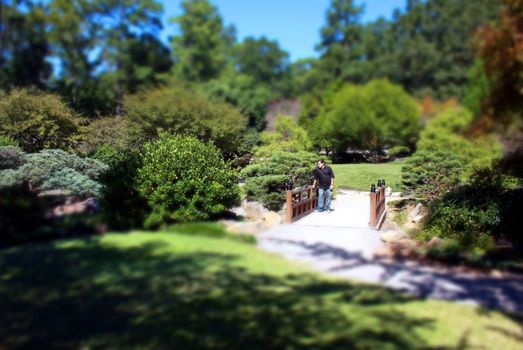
(341, 244)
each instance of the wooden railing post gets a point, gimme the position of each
(373, 203)
(288, 218)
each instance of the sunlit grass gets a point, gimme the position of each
(164, 290)
(361, 176)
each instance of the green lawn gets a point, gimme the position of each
(171, 291)
(361, 176)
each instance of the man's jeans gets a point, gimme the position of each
(322, 193)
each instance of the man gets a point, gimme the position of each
(325, 176)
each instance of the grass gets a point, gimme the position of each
(166, 290)
(361, 176)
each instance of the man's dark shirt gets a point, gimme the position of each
(324, 176)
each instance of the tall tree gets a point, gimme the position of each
(24, 44)
(122, 21)
(501, 49)
(340, 38)
(200, 50)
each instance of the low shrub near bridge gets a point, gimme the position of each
(266, 179)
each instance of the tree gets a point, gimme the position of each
(23, 44)
(287, 136)
(500, 46)
(340, 38)
(372, 116)
(263, 60)
(201, 47)
(122, 23)
(179, 110)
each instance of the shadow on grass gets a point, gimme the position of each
(97, 296)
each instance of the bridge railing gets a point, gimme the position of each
(377, 205)
(300, 202)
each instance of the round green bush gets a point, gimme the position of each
(184, 179)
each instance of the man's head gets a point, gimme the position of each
(321, 163)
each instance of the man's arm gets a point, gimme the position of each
(332, 178)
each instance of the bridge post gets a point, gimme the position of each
(373, 203)
(288, 218)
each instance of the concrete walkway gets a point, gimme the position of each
(341, 244)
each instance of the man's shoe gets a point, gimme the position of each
(329, 210)
(319, 210)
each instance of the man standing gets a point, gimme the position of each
(325, 176)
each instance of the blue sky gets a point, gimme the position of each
(294, 23)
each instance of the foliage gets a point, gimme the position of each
(201, 45)
(242, 91)
(177, 110)
(56, 169)
(123, 205)
(267, 177)
(399, 151)
(210, 229)
(369, 117)
(287, 136)
(25, 47)
(103, 132)
(476, 214)
(11, 157)
(21, 214)
(184, 179)
(8, 141)
(264, 61)
(444, 158)
(499, 46)
(36, 120)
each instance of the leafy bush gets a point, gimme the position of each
(123, 205)
(102, 133)
(7, 141)
(287, 136)
(11, 157)
(476, 214)
(444, 158)
(36, 120)
(184, 179)
(177, 110)
(399, 151)
(266, 179)
(372, 116)
(21, 214)
(55, 169)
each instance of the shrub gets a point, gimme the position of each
(444, 158)
(184, 179)
(21, 214)
(266, 179)
(399, 151)
(177, 110)
(56, 169)
(11, 157)
(476, 214)
(37, 120)
(7, 141)
(102, 133)
(123, 205)
(287, 136)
